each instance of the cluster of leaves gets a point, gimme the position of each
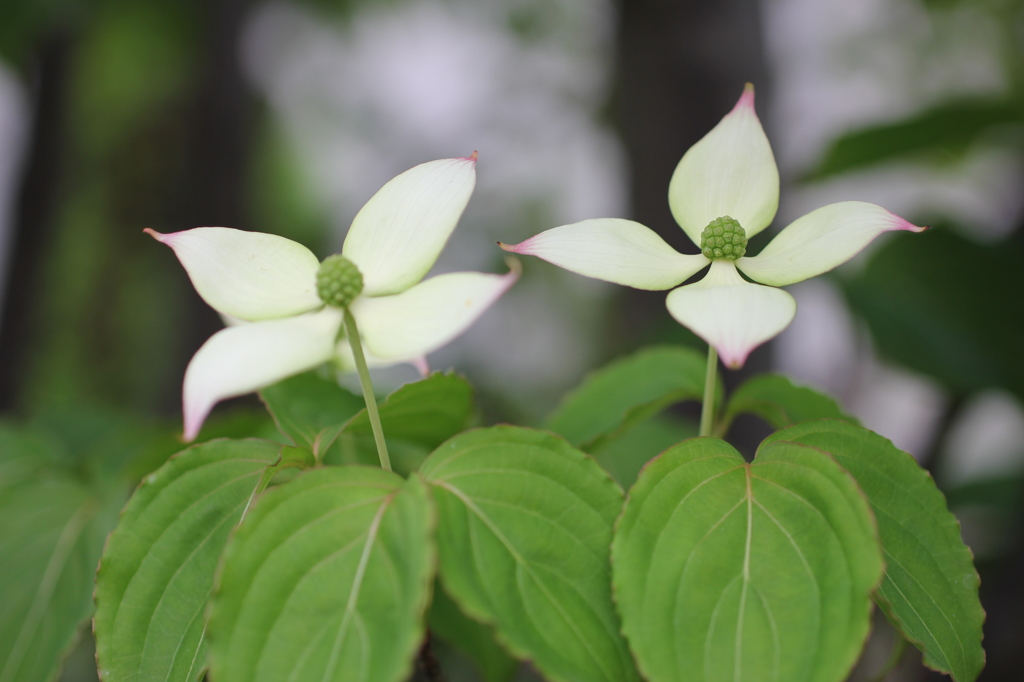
(946, 306)
(258, 559)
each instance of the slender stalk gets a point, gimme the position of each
(894, 659)
(707, 413)
(364, 381)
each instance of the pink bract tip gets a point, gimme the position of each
(747, 98)
(194, 419)
(733, 361)
(421, 365)
(734, 358)
(472, 157)
(902, 224)
(159, 236)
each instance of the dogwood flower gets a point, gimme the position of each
(724, 190)
(272, 290)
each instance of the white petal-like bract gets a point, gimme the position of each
(731, 314)
(245, 358)
(409, 325)
(729, 172)
(396, 237)
(615, 250)
(820, 241)
(247, 275)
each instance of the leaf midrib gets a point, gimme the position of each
(51, 575)
(357, 584)
(521, 562)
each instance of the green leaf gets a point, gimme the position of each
(956, 329)
(328, 578)
(348, 449)
(157, 571)
(780, 402)
(310, 409)
(51, 535)
(416, 418)
(945, 129)
(524, 526)
(930, 589)
(620, 395)
(471, 638)
(732, 571)
(623, 457)
(427, 412)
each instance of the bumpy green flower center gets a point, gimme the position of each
(338, 281)
(723, 238)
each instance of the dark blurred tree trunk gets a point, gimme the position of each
(35, 211)
(681, 66)
(123, 336)
(216, 174)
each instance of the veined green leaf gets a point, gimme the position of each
(623, 393)
(524, 526)
(725, 570)
(624, 456)
(310, 409)
(51, 534)
(780, 402)
(930, 589)
(427, 412)
(157, 571)
(416, 418)
(328, 579)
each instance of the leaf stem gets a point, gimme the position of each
(894, 659)
(707, 413)
(364, 381)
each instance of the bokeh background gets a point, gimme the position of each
(285, 116)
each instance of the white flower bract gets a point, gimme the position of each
(730, 172)
(265, 286)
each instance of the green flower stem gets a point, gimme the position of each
(707, 413)
(364, 381)
(895, 657)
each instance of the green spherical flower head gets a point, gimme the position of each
(723, 238)
(338, 281)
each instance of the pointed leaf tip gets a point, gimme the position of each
(159, 236)
(472, 157)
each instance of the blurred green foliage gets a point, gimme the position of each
(949, 304)
(114, 320)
